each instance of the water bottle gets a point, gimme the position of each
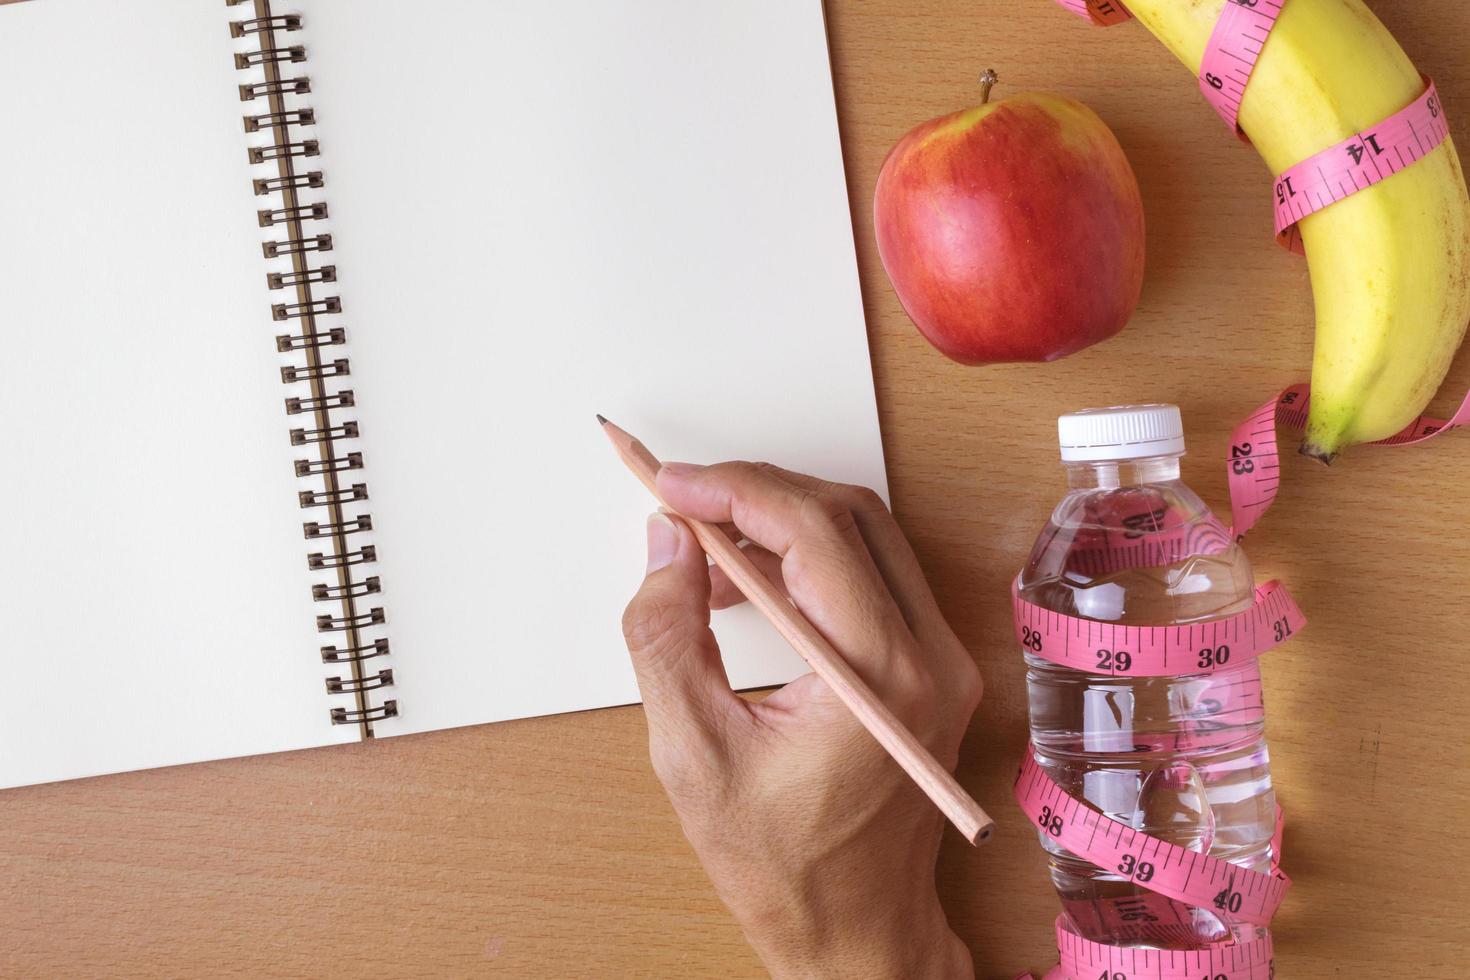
(1181, 758)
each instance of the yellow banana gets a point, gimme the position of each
(1390, 265)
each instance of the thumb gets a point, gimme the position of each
(686, 693)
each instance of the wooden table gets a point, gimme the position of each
(457, 854)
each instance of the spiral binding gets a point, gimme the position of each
(337, 525)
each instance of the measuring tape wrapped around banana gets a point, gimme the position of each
(1368, 186)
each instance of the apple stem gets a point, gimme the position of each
(988, 78)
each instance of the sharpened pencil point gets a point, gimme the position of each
(601, 420)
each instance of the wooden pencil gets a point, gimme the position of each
(936, 781)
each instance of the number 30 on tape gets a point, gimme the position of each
(1158, 651)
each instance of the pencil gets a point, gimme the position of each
(936, 781)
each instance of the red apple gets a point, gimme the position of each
(1012, 231)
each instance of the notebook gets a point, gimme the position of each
(307, 309)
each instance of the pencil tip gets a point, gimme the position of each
(601, 420)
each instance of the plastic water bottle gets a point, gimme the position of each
(1181, 758)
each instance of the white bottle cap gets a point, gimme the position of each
(1119, 433)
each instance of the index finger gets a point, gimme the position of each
(829, 572)
(891, 552)
(763, 506)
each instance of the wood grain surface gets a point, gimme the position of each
(545, 848)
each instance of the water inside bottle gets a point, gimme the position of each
(1180, 758)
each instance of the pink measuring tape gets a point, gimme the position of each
(1254, 451)
(1177, 878)
(1158, 651)
(1231, 53)
(1166, 869)
(1084, 960)
(1103, 13)
(1358, 162)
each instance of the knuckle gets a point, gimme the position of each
(859, 499)
(826, 512)
(813, 565)
(743, 470)
(939, 699)
(967, 687)
(688, 764)
(796, 567)
(741, 477)
(921, 690)
(652, 623)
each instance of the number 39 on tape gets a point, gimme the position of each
(1167, 869)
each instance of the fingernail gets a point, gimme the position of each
(682, 469)
(663, 541)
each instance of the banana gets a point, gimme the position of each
(1390, 265)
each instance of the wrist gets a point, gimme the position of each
(910, 942)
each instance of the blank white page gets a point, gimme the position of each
(545, 209)
(154, 603)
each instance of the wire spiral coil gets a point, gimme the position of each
(284, 141)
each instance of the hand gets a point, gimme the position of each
(819, 843)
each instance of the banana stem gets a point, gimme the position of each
(1320, 455)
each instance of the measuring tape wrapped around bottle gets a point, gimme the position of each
(1173, 874)
(1177, 878)
(1158, 651)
